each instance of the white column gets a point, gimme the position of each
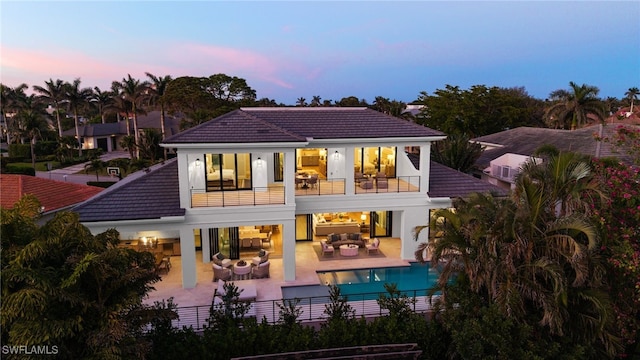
(289, 249)
(183, 180)
(206, 249)
(289, 176)
(410, 219)
(425, 167)
(349, 161)
(188, 257)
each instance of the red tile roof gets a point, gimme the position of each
(52, 194)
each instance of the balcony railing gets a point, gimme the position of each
(337, 186)
(334, 186)
(312, 309)
(391, 185)
(271, 195)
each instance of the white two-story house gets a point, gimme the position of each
(289, 171)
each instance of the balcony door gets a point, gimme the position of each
(228, 172)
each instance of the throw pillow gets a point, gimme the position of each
(262, 253)
(343, 236)
(220, 256)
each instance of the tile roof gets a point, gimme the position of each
(148, 121)
(151, 196)
(156, 194)
(296, 123)
(53, 195)
(447, 182)
(526, 140)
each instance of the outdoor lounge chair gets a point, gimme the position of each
(374, 246)
(221, 260)
(220, 273)
(382, 183)
(261, 271)
(326, 248)
(260, 258)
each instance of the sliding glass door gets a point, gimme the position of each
(228, 171)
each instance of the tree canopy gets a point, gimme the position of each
(63, 286)
(481, 110)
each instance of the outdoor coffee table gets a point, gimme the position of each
(242, 272)
(349, 250)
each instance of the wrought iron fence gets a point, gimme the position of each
(312, 308)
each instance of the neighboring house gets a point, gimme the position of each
(288, 170)
(107, 136)
(54, 196)
(506, 151)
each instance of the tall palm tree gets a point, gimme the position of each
(632, 94)
(102, 100)
(572, 108)
(30, 121)
(76, 98)
(135, 91)
(157, 90)
(301, 102)
(11, 100)
(53, 92)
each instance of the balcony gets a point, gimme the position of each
(272, 195)
(337, 186)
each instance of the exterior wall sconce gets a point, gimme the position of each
(259, 162)
(336, 155)
(198, 162)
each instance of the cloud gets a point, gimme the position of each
(210, 59)
(185, 59)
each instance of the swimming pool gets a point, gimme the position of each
(416, 278)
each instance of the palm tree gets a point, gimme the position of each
(76, 98)
(96, 165)
(316, 101)
(533, 254)
(632, 94)
(54, 92)
(11, 101)
(30, 121)
(157, 89)
(301, 102)
(572, 108)
(135, 91)
(102, 100)
(129, 143)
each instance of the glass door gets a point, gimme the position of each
(381, 224)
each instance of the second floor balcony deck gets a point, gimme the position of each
(275, 193)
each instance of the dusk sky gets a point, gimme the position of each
(291, 49)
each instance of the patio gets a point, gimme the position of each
(269, 288)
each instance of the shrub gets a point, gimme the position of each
(20, 151)
(20, 169)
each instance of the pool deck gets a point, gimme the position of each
(307, 264)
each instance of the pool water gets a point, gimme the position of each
(416, 278)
